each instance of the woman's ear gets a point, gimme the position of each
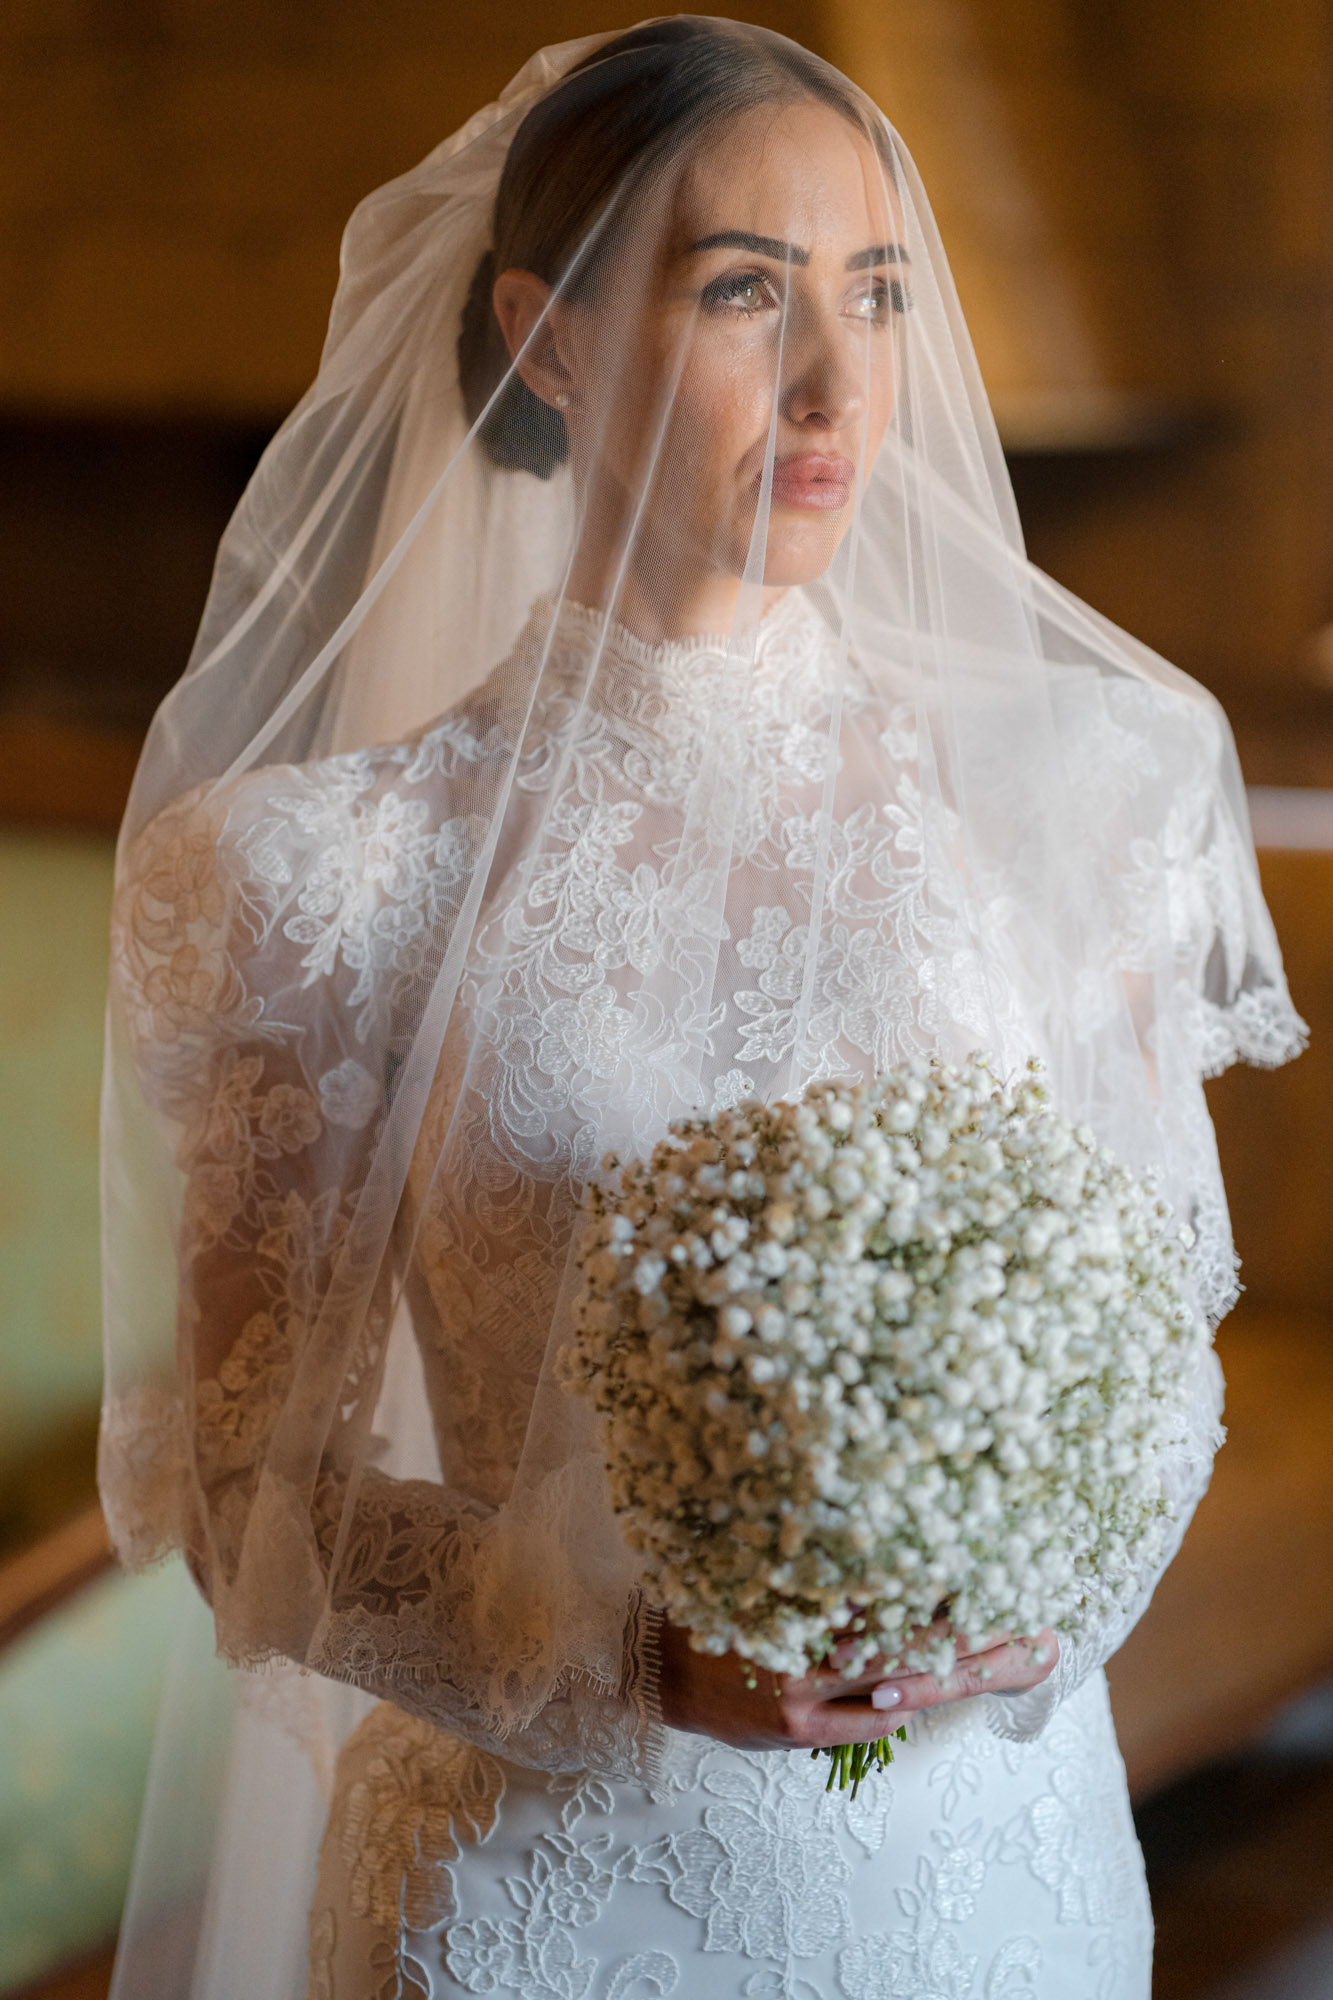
(520, 298)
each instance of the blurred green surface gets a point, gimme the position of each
(79, 1697)
(79, 1693)
(55, 895)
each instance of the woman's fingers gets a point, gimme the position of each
(725, 1697)
(1010, 1667)
(824, 1724)
(925, 1635)
(826, 1731)
(983, 1643)
(830, 1682)
(826, 1684)
(825, 1710)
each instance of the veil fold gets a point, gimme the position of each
(456, 859)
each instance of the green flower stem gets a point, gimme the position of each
(849, 1763)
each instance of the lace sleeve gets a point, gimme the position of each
(396, 1603)
(1167, 813)
(1167, 803)
(417, 1551)
(278, 1099)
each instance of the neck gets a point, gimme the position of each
(660, 594)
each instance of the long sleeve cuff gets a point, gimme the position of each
(641, 1687)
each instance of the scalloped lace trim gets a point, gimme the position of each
(1260, 1026)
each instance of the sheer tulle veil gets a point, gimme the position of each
(349, 1011)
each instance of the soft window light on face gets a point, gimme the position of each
(781, 280)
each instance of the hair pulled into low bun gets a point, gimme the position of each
(620, 114)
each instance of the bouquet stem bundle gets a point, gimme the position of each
(850, 1762)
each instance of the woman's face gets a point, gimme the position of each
(779, 281)
(746, 323)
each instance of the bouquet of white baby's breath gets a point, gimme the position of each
(899, 1346)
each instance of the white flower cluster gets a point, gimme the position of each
(900, 1351)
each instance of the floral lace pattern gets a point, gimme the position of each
(712, 879)
(972, 1871)
(398, 1828)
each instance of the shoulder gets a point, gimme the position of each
(253, 832)
(289, 874)
(1159, 714)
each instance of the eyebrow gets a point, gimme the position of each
(744, 239)
(791, 253)
(878, 253)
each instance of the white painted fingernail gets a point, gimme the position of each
(886, 1695)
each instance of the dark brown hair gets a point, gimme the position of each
(623, 111)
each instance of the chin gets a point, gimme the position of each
(800, 548)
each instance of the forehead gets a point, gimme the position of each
(798, 172)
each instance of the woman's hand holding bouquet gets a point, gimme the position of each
(723, 1696)
(885, 1366)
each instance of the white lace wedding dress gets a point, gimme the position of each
(595, 1855)
(977, 1869)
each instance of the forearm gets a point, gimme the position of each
(411, 1593)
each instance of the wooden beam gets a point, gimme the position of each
(51, 1572)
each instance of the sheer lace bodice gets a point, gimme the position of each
(269, 934)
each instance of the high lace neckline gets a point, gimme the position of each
(660, 684)
(620, 646)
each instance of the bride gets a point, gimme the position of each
(622, 693)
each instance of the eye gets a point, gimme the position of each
(743, 292)
(879, 299)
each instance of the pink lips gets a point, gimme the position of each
(815, 480)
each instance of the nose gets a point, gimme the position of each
(826, 388)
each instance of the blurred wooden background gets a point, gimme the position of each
(1244, 1618)
(1136, 196)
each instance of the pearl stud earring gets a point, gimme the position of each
(561, 400)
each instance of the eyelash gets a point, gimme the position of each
(724, 293)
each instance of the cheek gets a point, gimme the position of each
(721, 412)
(884, 382)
